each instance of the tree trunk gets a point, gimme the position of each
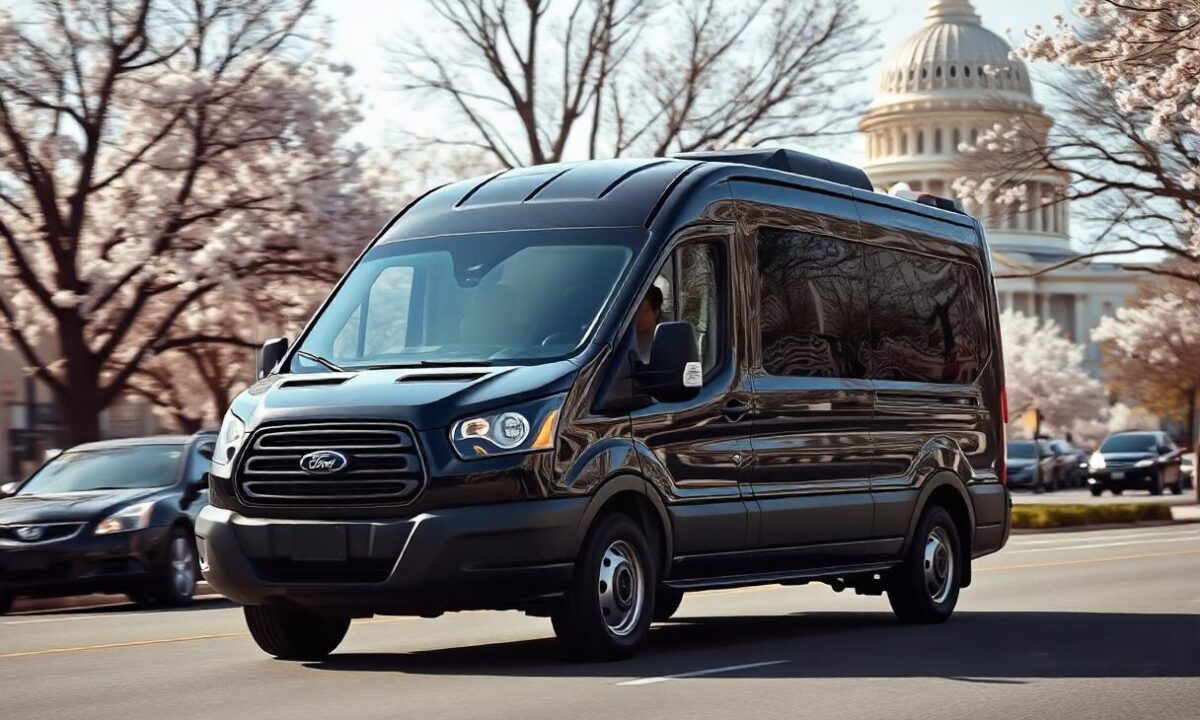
(81, 415)
(79, 402)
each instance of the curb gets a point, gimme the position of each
(1105, 526)
(76, 602)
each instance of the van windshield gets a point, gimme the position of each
(502, 298)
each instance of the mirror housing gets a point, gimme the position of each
(272, 352)
(673, 373)
(9, 489)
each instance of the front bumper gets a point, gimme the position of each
(83, 563)
(502, 556)
(1123, 478)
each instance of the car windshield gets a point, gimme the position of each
(115, 468)
(1130, 443)
(502, 298)
(1022, 450)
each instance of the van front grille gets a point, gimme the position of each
(382, 466)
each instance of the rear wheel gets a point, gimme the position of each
(1097, 491)
(924, 588)
(1177, 488)
(295, 634)
(607, 609)
(666, 603)
(1156, 484)
(1117, 491)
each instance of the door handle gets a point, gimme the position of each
(735, 409)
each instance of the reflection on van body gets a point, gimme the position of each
(821, 401)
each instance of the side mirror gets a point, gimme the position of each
(272, 352)
(674, 373)
(8, 489)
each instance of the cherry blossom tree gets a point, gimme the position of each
(539, 81)
(1123, 80)
(152, 154)
(1152, 350)
(1044, 373)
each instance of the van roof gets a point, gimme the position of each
(627, 192)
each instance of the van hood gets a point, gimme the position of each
(425, 398)
(69, 507)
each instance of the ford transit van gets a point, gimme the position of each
(583, 390)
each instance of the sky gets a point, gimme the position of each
(361, 28)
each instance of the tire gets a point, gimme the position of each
(609, 604)
(666, 603)
(1156, 484)
(290, 633)
(1096, 491)
(924, 588)
(175, 579)
(1053, 482)
(1117, 491)
(1177, 488)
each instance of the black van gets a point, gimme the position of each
(583, 390)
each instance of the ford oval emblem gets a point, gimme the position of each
(323, 462)
(30, 533)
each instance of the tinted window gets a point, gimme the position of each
(1022, 450)
(1142, 442)
(928, 318)
(136, 466)
(813, 304)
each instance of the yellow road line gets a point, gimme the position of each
(162, 641)
(1086, 561)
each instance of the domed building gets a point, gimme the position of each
(941, 88)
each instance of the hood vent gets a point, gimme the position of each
(441, 377)
(313, 382)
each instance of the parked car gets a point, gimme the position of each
(1031, 465)
(556, 390)
(107, 517)
(1144, 460)
(1070, 464)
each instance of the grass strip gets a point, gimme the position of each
(1043, 517)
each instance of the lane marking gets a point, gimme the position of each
(163, 641)
(1086, 561)
(700, 673)
(1119, 543)
(1067, 538)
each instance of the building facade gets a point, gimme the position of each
(943, 87)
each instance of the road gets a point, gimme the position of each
(1098, 624)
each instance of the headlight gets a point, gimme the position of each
(524, 428)
(1144, 463)
(233, 433)
(134, 517)
(1097, 462)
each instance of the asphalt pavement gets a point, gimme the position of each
(1097, 624)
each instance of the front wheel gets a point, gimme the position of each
(607, 609)
(175, 583)
(295, 634)
(924, 588)
(1156, 484)
(1177, 488)
(1097, 491)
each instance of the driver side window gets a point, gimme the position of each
(690, 282)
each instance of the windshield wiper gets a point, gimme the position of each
(432, 364)
(318, 359)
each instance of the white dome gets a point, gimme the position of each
(953, 51)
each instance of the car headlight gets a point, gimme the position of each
(1097, 462)
(524, 428)
(133, 517)
(229, 440)
(1144, 463)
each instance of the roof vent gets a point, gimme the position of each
(929, 199)
(789, 161)
(441, 377)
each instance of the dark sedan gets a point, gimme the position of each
(1030, 465)
(108, 517)
(1136, 460)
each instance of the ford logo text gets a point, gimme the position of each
(323, 462)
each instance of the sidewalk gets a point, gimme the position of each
(1185, 513)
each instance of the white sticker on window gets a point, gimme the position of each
(693, 375)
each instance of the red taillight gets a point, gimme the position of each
(1003, 456)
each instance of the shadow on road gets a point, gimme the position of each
(995, 647)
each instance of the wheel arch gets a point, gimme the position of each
(946, 489)
(638, 498)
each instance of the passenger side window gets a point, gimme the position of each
(813, 304)
(928, 321)
(690, 282)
